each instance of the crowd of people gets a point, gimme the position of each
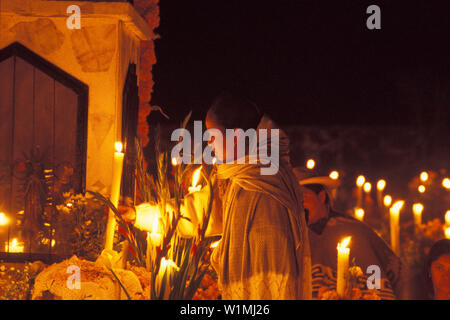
(279, 232)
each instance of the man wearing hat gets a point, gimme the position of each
(329, 227)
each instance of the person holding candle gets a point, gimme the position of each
(329, 227)
(264, 250)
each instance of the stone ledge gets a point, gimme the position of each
(123, 11)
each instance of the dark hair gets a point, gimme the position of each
(233, 111)
(317, 188)
(440, 248)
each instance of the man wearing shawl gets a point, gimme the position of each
(264, 250)
(328, 227)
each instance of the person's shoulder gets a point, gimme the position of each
(348, 222)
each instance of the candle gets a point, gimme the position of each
(342, 266)
(3, 219)
(310, 164)
(359, 214)
(394, 224)
(381, 184)
(421, 188)
(169, 267)
(424, 176)
(359, 183)
(447, 232)
(447, 218)
(417, 210)
(446, 183)
(367, 187)
(14, 246)
(387, 200)
(155, 236)
(115, 194)
(195, 179)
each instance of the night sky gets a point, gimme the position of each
(303, 62)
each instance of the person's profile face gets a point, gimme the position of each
(440, 274)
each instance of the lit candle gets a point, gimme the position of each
(342, 266)
(395, 227)
(447, 232)
(155, 236)
(446, 183)
(14, 246)
(195, 179)
(359, 214)
(335, 176)
(447, 218)
(417, 210)
(115, 194)
(169, 267)
(359, 183)
(310, 164)
(367, 187)
(421, 188)
(424, 176)
(381, 185)
(3, 219)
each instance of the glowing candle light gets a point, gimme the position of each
(359, 183)
(169, 267)
(195, 179)
(334, 175)
(115, 194)
(310, 164)
(367, 187)
(387, 200)
(359, 214)
(215, 244)
(424, 176)
(3, 219)
(342, 266)
(446, 183)
(395, 227)
(14, 246)
(381, 184)
(155, 236)
(417, 210)
(447, 218)
(421, 188)
(174, 161)
(447, 232)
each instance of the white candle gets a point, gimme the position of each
(395, 227)
(169, 267)
(195, 179)
(342, 266)
(381, 184)
(447, 218)
(115, 194)
(447, 232)
(155, 236)
(417, 210)
(359, 214)
(359, 183)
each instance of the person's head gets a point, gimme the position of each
(316, 192)
(437, 269)
(229, 111)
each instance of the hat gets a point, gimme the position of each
(306, 176)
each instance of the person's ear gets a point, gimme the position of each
(322, 196)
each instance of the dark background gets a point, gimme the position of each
(305, 62)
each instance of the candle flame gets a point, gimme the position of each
(334, 175)
(14, 242)
(310, 164)
(155, 224)
(3, 219)
(360, 181)
(447, 233)
(174, 161)
(387, 200)
(424, 176)
(119, 147)
(397, 206)
(344, 243)
(165, 263)
(196, 177)
(421, 188)
(381, 185)
(447, 217)
(359, 213)
(367, 187)
(215, 244)
(417, 208)
(446, 183)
